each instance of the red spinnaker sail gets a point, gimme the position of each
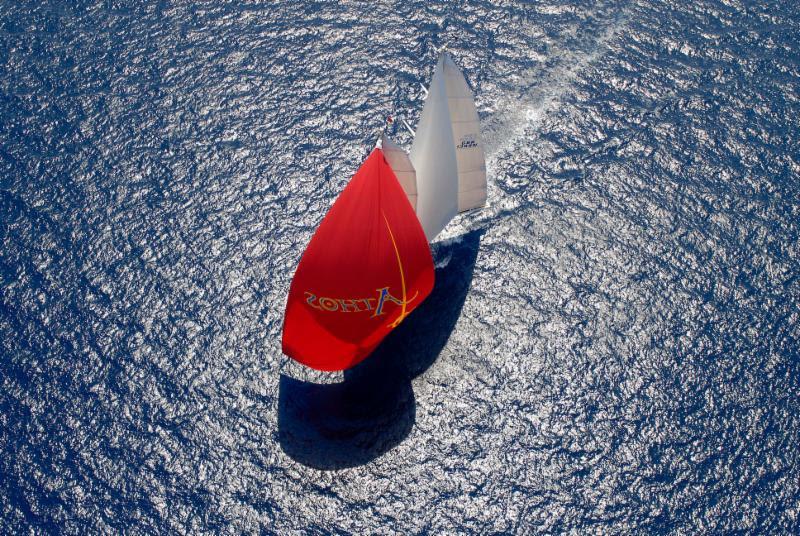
(366, 268)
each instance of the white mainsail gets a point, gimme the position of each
(466, 137)
(400, 163)
(434, 159)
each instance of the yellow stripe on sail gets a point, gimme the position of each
(403, 313)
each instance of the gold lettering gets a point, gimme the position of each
(310, 299)
(329, 304)
(348, 306)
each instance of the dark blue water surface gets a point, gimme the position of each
(612, 346)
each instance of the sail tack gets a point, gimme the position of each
(367, 267)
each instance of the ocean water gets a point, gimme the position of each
(612, 345)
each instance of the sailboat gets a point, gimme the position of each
(369, 264)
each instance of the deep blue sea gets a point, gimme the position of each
(612, 347)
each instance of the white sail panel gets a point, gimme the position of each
(433, 156)
(400, 163)
(465, 127)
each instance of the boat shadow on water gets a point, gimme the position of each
(346, 424)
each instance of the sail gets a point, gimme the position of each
(366, 268)
(466, 136)
(434, 160)
(401, 166)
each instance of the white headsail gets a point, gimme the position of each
(403, 169)
(434, 159)
(466, 136)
